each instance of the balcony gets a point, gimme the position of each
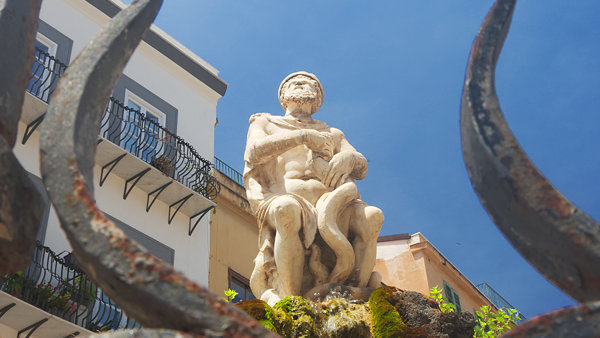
(229, 172)
(495, 298)
(57, 286)
(138, 149)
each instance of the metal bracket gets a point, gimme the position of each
(31, 328)
(135, 178)
(201, 215)
(179, 204)
(31, 127)
(71, 335)
(156, 191)
(5, 309)
(110, 164)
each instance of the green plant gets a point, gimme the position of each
(53, 298)
(82, 290)
(492, 324)
(229, 295)
(15, 283)
(436, 294)
(162, 163)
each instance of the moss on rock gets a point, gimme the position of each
(342, 318)
(304, 317)
(273, 319)
(385, 319)
(390, 312)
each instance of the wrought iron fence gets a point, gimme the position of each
(45, 73)
(496, 299)
(132, 131)
(59, 287)
(229, 171)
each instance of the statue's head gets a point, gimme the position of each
(301, 87)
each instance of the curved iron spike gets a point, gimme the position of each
(18, 26)
(578, 321)
(557, 238)
(21, 207)
(144, 334)
(148, 289)
(21, 204)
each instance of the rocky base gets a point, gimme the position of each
(390, 312)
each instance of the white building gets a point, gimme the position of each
(171, 91)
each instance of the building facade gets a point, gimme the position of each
(411, 262)
(234, 236)
(152, 174)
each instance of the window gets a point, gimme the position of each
(452, 296)
(43, 64)
(142, 128)
(241, 285)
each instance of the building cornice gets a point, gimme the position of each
(157, 39)
(431, 251)
(391, 238)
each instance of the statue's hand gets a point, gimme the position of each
(320, 143)
(340, 166)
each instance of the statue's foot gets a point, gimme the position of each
(270, 297)
(375, 280)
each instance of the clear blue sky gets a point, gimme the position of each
(393, 74)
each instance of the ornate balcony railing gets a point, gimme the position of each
(59, 287)
(228, 171)
(45, 73)
(133, 132)
(496, 299)
(154, 144)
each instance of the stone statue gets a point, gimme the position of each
(299, 177)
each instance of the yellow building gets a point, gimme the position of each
(233, 236)
(413, 263)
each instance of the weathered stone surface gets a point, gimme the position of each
(390, 312)
(398, 313)
(452, 324)
(414, 309)
(300, 181)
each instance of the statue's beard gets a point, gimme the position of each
(300, 96)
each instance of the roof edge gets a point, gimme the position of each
(390, 238)
(172, 49)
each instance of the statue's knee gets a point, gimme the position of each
(286, 212)
(375, 218)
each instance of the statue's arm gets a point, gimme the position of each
(359, 167)
(262, 147)
(347, 162)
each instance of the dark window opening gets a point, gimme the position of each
(452, 296)
(241, 285)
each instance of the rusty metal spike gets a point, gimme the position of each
(18, 26)
(21, 208)
(556, 237)
(21, 204)
(147, 289)
(578, 321)
(145, 334)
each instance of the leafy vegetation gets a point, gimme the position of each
(489, 323)
(229, 295)
(162, 163)
(445, 306)
(492, 324)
